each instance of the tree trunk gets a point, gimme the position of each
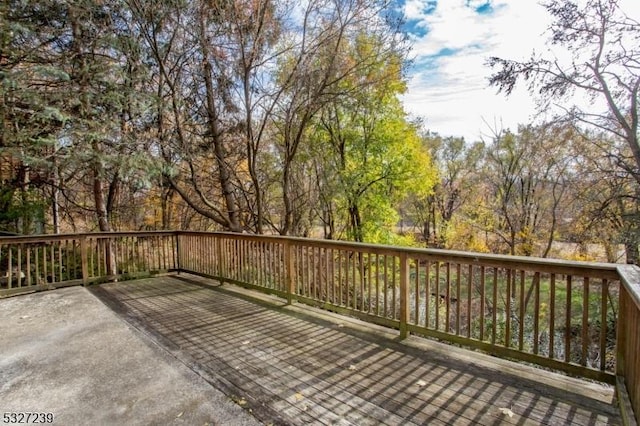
(226, 184)
(103, 216)
(99, 200)
(356, 222)
(167, 197)
(286, 199)
(631, 251)
(55, 208)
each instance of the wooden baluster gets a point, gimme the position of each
(362, 280)
(377, 284)
(470, 299)
(552, 315)
(386, 287)
(28, 274)
(436, 291)
(507, 332)
(18, 272)
(603, 323)
(427, 294)
(370, 287)
(522, 312)
(494, 318)
(417, 292)
(290, 271)
(36, 257)
(45, 270)
(52, 247)
(354, 295)
(567, 328)
(536, 313)
(447, 296)
(10, 268)
(458, 299)
(404, 294)
(59, 245)
(482, 301)
(85, 265)
(585, 322)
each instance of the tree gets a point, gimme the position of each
(72, 103)
(456, 163)
(319, 70)
(367, 156)
(31, 94)
(604, 197)
(527, 178)
(371, 158)
(188, 49)
(602, 45)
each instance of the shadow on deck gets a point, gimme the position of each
(295, 365)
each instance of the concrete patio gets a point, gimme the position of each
(66, 353)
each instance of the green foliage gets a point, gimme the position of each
(372, 153)
(21, 211)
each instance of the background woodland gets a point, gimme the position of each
(269, 116)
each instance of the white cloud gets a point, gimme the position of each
(416, 9)
(449, 87)
(452, 94)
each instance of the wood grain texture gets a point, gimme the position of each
(291, 365)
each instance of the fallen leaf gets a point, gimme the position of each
(506, 412)
(299, 396)
(242, 402)
(421, 383)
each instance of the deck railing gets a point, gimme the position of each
(579, 317)
(43, 262)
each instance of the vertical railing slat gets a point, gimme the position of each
(552, 315)
(567, 324)
(585, 322)
(482, 301)
(522, 312)
(494, 316)
(536, 313)
(603, 323)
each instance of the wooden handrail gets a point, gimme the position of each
(569, 267)
(628, 344)
(41, 262)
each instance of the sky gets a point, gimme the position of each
(452, 40)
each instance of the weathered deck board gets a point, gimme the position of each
(293, 367)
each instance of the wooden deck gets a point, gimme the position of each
(295, 365)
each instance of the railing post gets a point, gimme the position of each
(627, 345)
(404, 295)
(110, 261)
(219, 257)
(177, 265)
(621, 332)
(289, 272)
(85, 260)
